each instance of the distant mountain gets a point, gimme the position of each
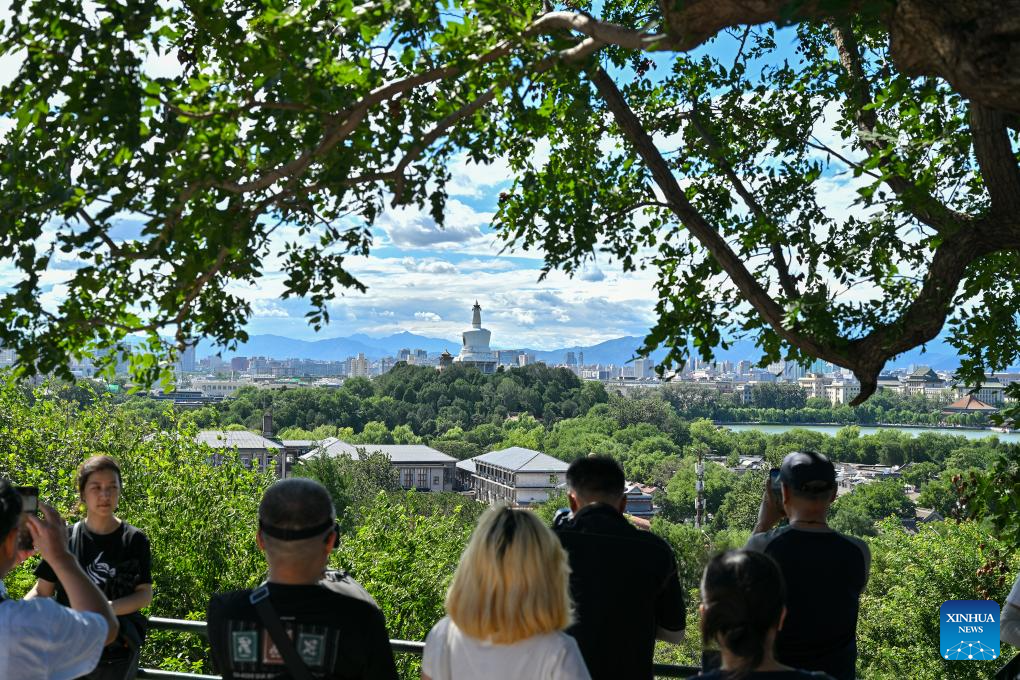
(617, 351)
(937, 354)
(331, 349)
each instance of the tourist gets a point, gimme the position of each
(623, 580)
(305, 620)
(1009, 622)
(507, 607)
(41, 640)
(742, 595)
(116, 556)
(825, 571)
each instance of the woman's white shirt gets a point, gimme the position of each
(452, 655)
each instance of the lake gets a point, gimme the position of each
(1013, 437)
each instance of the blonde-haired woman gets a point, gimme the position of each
(507, 607)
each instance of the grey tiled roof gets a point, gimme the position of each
(398, 453)
(519, 459)
(235, 439)
(466, 465)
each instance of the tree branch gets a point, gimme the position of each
(786, 281)
(710, 239)
(921, 204)
(995, 156)
(604, 32)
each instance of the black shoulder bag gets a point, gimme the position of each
(271, 621)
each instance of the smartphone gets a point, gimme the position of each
(29, 504)
(775, 484)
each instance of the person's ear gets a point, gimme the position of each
(787, 494)
(782, 620)
(572, 501)
(260, 541)
(621, 505)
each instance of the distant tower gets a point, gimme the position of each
(445, 360)
(475, 348)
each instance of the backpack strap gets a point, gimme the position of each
(271, 620)
(76, 540)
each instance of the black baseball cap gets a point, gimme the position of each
(808, 471)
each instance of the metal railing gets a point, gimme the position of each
(399, 646)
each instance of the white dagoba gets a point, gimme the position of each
(475, 345)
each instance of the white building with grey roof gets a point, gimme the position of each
(517, 476)
(420, 467)
(252, 449)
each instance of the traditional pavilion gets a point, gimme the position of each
(475, 348)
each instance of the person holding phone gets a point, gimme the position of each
(117, 559)
(39, 639)
(825, 571)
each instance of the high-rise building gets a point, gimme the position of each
(357, 367)
(186, 361)
(404, 355)
(507, 357)
(570, 359)
(743, 367)
(420, 356)
(239, 364)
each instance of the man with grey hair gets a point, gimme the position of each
(304, 621)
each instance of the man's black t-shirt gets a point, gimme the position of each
(117, 562)
(825, 573)
(624, 584)
(337, 629)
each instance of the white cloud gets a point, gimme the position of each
(427, 316)
(265, 309)
(428, 266)
(412, 228)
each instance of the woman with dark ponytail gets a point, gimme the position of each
(742, 609)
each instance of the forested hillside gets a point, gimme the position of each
(404, 547)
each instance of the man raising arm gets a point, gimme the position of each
(40, 639)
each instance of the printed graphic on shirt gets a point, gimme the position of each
(270, 654)
(969, 630)
(312, 648)
(99, 572)
(245, 646)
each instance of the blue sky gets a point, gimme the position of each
(424, 279)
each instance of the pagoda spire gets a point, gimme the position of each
(476, 315)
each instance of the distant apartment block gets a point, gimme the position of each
(518, 476)
(842, 391)
(239, 364)
(211, 387)
(358, 367)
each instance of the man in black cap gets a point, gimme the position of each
(304, 621)
(825, 571)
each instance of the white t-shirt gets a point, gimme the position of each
(452, 655)
(43, 640)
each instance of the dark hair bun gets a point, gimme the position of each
(744, 595)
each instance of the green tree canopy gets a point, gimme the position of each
(708, 165)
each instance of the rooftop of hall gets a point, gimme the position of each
(397, 453)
